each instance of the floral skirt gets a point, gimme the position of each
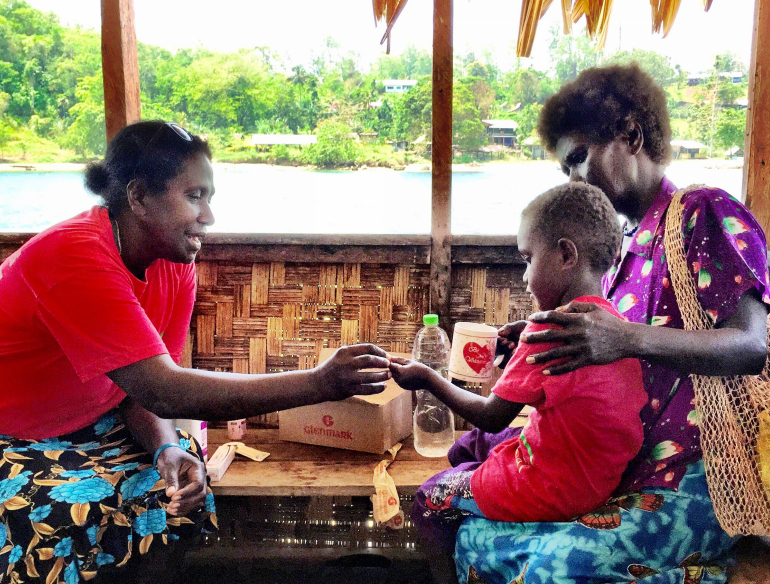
(656, 536)
(77, 504)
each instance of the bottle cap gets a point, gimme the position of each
(430, 319)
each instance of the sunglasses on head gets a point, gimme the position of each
(168, 129)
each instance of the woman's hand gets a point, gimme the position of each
(591, 336)
(409, 374)
(508, 340)
(185, 478)
(341, 376)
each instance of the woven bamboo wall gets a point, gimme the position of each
(270, 317)
(275, 316)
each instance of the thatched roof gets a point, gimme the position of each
(596, 12)
(597, 15)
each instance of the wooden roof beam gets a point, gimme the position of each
(120, 66)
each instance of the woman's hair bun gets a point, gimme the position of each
(97, 179)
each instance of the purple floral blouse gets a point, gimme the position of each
(727, 254)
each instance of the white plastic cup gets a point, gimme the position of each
(473, 352)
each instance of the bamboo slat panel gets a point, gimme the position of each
(271, 317)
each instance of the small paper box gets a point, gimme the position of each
(220, 462)
(371, 423)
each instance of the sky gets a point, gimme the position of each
(298, 28)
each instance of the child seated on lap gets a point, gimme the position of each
(585, 425)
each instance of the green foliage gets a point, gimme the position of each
(86, 134)
(281, 151)
(412, 116)
(467, 129)
(571, 54)
(728, 62)
(52, 103)
(730, 128)
(526, 117)
(335, 147)
(657, 65)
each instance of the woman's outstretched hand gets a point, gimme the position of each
(590, 336)
(185, 478)
(342, 375)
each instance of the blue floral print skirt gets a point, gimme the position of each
(656, 536)
(77, 504)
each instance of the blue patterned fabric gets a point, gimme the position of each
(657, 536)
(76, 506)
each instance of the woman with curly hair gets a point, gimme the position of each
(94, 313)
(610, 128)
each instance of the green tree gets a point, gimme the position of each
(416, 63)
(86, 135)
(334, 147)
(571, 54)
(730, 128)
(5, 129)
(527, 117)
(657, 65)
(728, 62)
(483, 94)
(467, 129)
(412, 116)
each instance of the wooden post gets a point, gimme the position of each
(120, 66)
(756, 169)
(441, 155)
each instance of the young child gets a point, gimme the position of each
(585, 426)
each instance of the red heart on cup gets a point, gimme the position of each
(476, 356)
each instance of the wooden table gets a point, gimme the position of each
(294, 469)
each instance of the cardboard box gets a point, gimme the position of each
(371, 423)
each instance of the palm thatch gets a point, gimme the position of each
(596, 12)
(597, 15)
(389, 10)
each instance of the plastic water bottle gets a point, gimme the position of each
(434, 422)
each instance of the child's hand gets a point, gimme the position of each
(409, 374)
(508, 339)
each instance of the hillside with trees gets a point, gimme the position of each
(52, 101)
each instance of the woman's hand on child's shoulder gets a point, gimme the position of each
(409, 374)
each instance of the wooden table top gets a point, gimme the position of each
(294, 469)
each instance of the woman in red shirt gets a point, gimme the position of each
(94, 313)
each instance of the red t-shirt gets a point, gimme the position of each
(580, 437)
(70, 312)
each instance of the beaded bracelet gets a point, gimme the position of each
(162, 448)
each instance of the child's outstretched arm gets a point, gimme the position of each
(490, 414)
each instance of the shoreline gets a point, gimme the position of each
(420, 167)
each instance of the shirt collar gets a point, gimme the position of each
(642, 242)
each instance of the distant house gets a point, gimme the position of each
(533, 147)
(688, 149)
(501, 132)
(734, 152)
(266, 141)
(704, 76)
(733, 76)
(368, 137)
(398, 85)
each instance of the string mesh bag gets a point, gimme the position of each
(733, 411)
